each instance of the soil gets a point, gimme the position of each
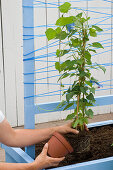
(101, 139)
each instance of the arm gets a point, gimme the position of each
(42, 161)
(19, 166)
(26, 137)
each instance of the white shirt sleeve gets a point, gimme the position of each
(2, 117)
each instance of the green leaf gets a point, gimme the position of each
(76, 42)
(93, 79)
(97, 28)
(58, 30)
(62, 21)
(72, 74)
(60, 53)
(97, 45)
(69, 96)
(64, 75)
(69, 105)
(62, 35)
(85, 120)
(65, 7)
(88, 18)
(70, 116)
(79, 15)
(90, 97)
(89, 113)
(84, 89)
(79, 61)
(88, 83)
(102, 68)
(92, 32)
(92, 90)
(62, 103)
(92, 50)
(50, 34)
(83, 20)
(77, 23)
(75, 123)
(57, 66)
(87, 55)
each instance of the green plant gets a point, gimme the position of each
(74, 33)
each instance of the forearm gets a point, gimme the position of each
(26, 137)
(18, 166)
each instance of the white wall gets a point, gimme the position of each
(11, 65)
(12, 42)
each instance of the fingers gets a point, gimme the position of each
(45, 149)
(74, 131)
(58, 159)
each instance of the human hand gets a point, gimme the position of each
(67, 128)
(44, 161)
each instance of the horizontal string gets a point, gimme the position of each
(37, 72)
(50, 45)
(58, 94)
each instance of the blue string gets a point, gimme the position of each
(42, 48)
(45, 95)
(36, 72)
(36, 58)
(46, 78)
(108, 1)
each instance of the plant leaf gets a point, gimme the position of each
(62, 35)
(90, 97)
(97, 28)
(60, 53)
(93, 50)
(92, 32)
(69, 105)
(62, 21)
(88, 83)
(84, 89)
(79, 15)
(92, 90)
(57, 66)
(65, 7)
(97, 45)
(62, 103)
(102, 68)
(89, 113)
(50, 34)
(70, 116)
(69, 96)
(74, 124)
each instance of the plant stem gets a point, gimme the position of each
(78, 98)
(83, 67)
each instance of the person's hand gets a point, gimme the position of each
(67, 128)
(44, 161)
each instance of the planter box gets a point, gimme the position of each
(17, 155)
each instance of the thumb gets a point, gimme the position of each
(74, 131)
(45, 149)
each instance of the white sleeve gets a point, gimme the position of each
(2, 117)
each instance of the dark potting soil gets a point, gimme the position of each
(101, 139)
